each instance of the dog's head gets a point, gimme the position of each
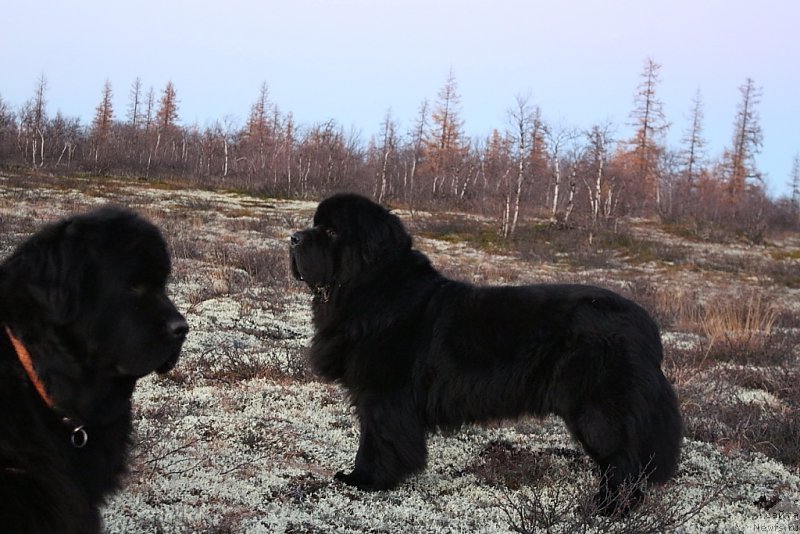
(351, 235)
(87, 295)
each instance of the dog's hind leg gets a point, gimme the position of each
(608, 441)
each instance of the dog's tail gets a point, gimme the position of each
(661, 444)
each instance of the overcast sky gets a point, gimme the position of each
(352, 60)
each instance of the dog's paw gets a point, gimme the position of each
(357, 479)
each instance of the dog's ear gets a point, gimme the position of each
(384, 240)
(44, 276)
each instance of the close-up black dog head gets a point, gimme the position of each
(84, 314)
(95, 285)
(350, 235)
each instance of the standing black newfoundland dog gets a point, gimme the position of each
(418, 352)
(84, 315)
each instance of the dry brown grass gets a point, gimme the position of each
(740, 323)
(673, 308)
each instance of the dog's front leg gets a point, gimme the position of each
(391, 446)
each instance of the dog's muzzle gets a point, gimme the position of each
(296, 239)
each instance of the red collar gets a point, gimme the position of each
(25, 359)
(79, 436)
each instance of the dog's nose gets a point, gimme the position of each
(296, 238)
(178, 327)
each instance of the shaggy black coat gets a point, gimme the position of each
(86, 298)
(418, 352)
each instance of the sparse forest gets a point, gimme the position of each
(523, 168)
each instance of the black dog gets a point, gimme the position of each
(417, 351)
(83, 315)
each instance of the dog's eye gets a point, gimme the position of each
(330, 232)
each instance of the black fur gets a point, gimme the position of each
(86, 296)
(418, 352)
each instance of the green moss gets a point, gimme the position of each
(486, 239)
(682, 231)
(781, 255)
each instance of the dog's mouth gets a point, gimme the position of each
(161, 366)
(170, 364)
(293, 266)
(175, 353)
